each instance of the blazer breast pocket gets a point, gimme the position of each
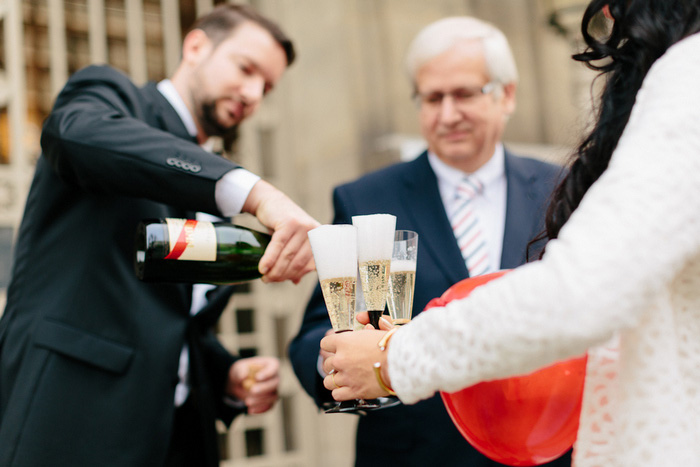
(76, 343)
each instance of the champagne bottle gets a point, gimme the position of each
(190, 251)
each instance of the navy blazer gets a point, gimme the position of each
(88, 353)
(422, 434)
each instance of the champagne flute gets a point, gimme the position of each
(402, 277)
(335, 252)
(402, 281)
(375, 243)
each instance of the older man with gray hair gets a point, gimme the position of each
(474, 205)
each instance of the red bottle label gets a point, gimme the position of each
(191, 240)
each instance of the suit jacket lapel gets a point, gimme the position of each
(523, 216)
(424, 207)
(217, 299)
(165, 114)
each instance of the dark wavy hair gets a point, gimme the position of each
(642, 31)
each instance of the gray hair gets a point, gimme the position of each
(441, 35)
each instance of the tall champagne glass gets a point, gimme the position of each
(402, 281)
(375, 243)
(335, 252)
(402, 277)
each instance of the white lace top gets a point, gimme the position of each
(626, 269)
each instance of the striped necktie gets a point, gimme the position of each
(467, 230)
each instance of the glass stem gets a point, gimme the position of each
(374, 318)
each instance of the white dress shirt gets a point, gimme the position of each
(490, 206)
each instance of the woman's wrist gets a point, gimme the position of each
(381, 369)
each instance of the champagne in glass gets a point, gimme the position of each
(335, 252)
(402, 278)
(360, 304)
(336, 293)
(375, 242)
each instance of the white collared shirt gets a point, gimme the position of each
(490, 206)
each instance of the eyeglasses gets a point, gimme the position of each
(460, 96)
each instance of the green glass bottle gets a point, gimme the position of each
(190, 251)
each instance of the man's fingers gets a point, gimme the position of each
(260, 368)
(292, 261)
(288, 256)
(260, 408)
(260, 404)
(271, 254)
(264, 387)
(269, 368)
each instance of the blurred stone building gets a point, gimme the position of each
(342, 109)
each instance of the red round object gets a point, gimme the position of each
(523, 420)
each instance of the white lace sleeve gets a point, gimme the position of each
(632, 233)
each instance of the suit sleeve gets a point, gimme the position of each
(304, 348)
(100, 138)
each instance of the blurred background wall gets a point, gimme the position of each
(342, 109)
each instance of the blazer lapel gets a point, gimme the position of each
(427, 213)
(164, 113)
(523, 216)
(217, 299)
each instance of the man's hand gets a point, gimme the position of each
(255, 381)
(288, 256)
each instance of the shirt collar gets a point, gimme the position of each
(449, 177)
(168, 90)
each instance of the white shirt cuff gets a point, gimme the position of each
(233, 189)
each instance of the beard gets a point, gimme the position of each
(212, 127)
(210, 123)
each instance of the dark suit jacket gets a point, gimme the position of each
(89, 354)
(422, 434)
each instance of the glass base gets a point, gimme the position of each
(400, 321)
(361, 407)
(341, 407)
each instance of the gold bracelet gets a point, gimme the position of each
(378, 373)
(384, 341)
(382, 344)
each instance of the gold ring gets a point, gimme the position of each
(333, 379)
